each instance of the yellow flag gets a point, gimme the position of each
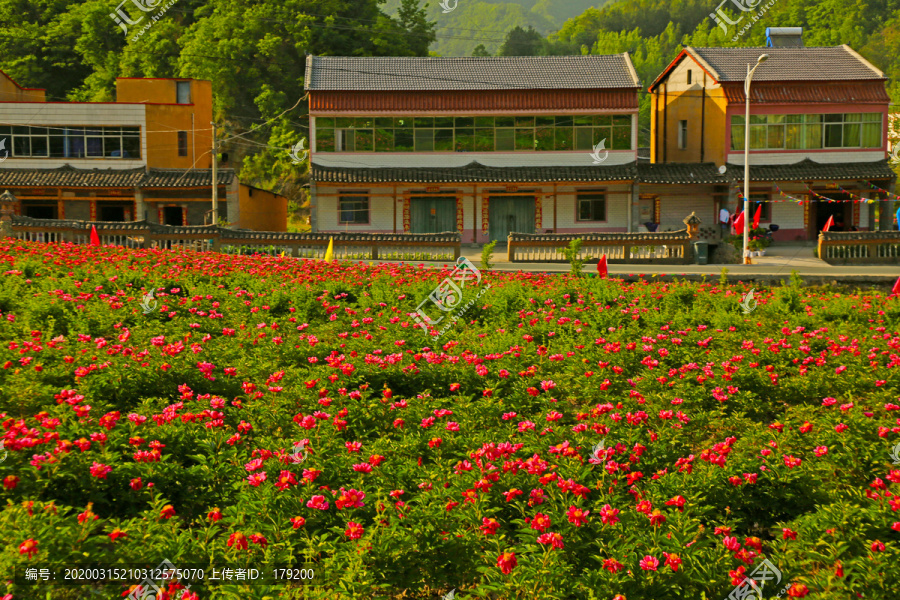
(282, 254)
(329, 253)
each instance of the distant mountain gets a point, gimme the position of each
(475, 22)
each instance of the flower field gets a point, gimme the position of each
(568, 439)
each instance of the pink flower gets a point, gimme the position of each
(318, 502)
(649, 563)
(608, 515)
(257, 478)
(553, 539)
(100, 471)
(821, 450)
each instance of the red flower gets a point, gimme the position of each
(554, 539)
(28, 548)
(10, 482)
(318, 502)
(298, 522)
(612, 565)
(116, 534)
(839, 569)
(649, 563)
(100, 470)
(511, 494)
(657, 518)
(136, 484)
(788, 534)
(214, 515)
(285, 480)
(237, 540)
(791, 461)
(489, 526)
(798, 590)
(258, 538)
(608, 515)
(167, 512)
(677, 501)
(541, 522)
(354, 530)
(577, 516)
(877, 546)
(731, 543)
(673, 561)
(507, 562)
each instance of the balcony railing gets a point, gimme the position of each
(669, 248)
(860, 247)
(204, 238)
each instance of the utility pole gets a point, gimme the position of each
(215, 178)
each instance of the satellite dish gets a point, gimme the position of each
(722, 170)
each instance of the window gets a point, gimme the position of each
(814, 132)
(591, 205)
(182, 143)
(689, 76)
(519, 133)
(353, 209)
(757, 200)
(682, 134)
(72, 142)
(183, 92)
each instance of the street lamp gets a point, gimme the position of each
(750, 71)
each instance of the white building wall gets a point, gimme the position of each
(55, 114)
(617, 197)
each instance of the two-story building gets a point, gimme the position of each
(818, 138)
(145, 156)
(481, 145)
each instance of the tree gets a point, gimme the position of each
(480, 50)
(522, 42)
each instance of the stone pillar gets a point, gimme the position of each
(634, 204)
(313, 208)
(139, 204)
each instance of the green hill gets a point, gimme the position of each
(475, 22)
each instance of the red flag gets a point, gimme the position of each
(896, 290)
(602, 267)
(757, 216)
(95, 239)
(739, 224)
(828, 223)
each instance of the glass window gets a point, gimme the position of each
(131, 147)
(813, 135)
(524, 121)
(621, 138)
(484, 140)
(565, 121)
(443, 122)
(793, 118)
(403, 140)
(544, 138)
(443, 140)
(344, 123)
(112, 146)
(591, 206)
(464, 122)
(353, 210)
(851, 135)
(424, 122)
(565, 138)
(424, 140)
(775, 136)
(758, 119)
(182, 92)
(57, 146)
(506, 139)
(793, 136)
(602, 120)
(364, 122)
(465, 140)
(583, 138)
(506, 122)
(832, 118)
(737, 136)
(603, 134)
(325, 122)
(365, 141)
(484, 122)
(583, 121)
(871, 135)
(324, 140)
(525, 139)
(384, 123)
(622, 120)
(403, 122)
(833, 135)
(757, 136)
(384, 139)
(21, 146)
(345, 140)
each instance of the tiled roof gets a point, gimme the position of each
(807, 170)
(787, 64)
(473, 172)
(169, 178)
(383, 73)
(680, 173)
(68, 176)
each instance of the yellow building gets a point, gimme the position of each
(146, 156)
